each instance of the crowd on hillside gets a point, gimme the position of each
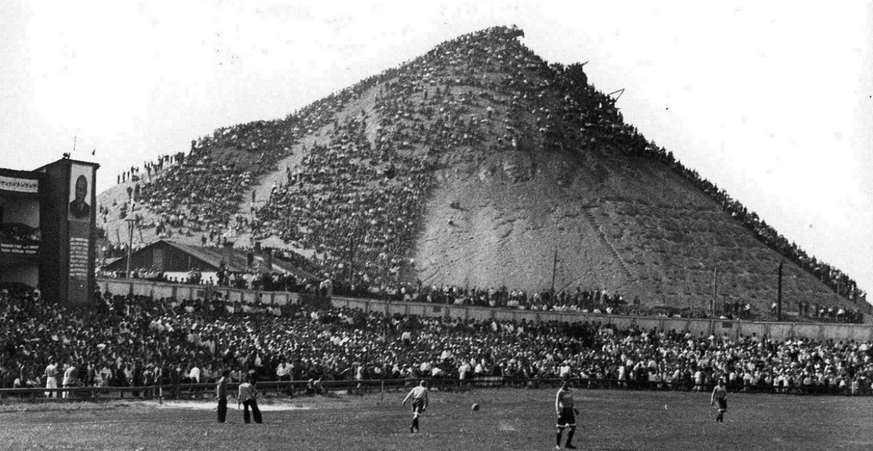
(827, 313)
(346, 203)
(357, 197)
(834, 278)
(152, 167)
(202, 192)
(587, 301)
(206, 188)
(136, 342)
(837, 280)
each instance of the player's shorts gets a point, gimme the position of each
(567, 418)
(722, 403)
(417, 406)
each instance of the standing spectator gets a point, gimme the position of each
(463, 372)
(194, 374)
(51, 378)
(221, 395)
(70, 378)
(136, 377)
(564, 372)
(284, 374)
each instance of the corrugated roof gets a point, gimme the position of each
(238, 261)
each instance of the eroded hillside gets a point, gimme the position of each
(476, 165)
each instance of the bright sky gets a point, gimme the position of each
(770, 101)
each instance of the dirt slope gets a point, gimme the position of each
(503, 162)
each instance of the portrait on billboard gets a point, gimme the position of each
(80, 193)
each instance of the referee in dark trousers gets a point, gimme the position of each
(221, 395)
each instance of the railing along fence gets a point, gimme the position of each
(291, 389)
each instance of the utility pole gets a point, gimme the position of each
(714, 290)
(779, 295)
(554, 269)
(130, 225)
(685, 273)
(351, 273)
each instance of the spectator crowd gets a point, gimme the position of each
(132, 341)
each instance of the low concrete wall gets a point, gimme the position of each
(697, 327)
(158, 290)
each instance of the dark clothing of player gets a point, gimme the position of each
(567, 418)
(418, 406)
(222, 409)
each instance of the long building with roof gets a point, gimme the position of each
(170, 256)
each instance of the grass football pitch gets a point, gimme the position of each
(509, 419)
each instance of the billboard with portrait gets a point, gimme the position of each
(81, 184)
(79, 212)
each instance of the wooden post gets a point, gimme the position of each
(129, 245)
